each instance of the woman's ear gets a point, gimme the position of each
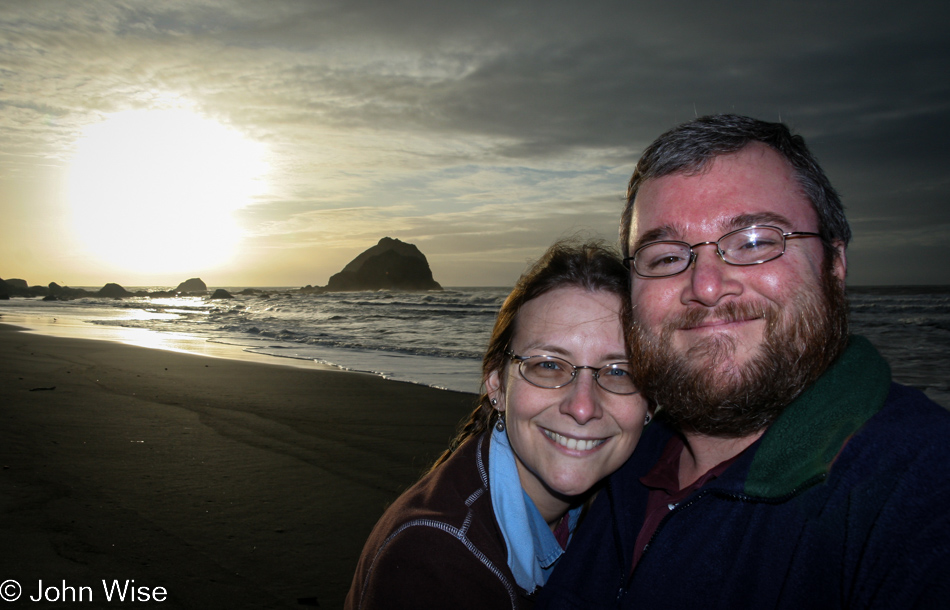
(496, 393)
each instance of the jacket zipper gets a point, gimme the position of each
(627, 578)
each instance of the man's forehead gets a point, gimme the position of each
(754, 186)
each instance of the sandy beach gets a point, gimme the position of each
(227, 484)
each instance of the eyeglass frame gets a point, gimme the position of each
(574, 368)
(630, 261)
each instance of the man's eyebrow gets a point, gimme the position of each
(759, 218)
(663, 233)
(670, 232)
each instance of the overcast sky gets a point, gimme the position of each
(479, 131)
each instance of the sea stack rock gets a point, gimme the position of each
(113, 291)
(389, 265)
(193, 285)
(17, 288)
(221, 293)
(55, 292)
(65, 293)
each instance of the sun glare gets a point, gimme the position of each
(154, 191)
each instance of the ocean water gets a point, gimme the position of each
(910, 325)
(437, 338)
(432, 338)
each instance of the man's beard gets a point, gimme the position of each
(698, 394)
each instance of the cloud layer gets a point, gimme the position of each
(479, 131)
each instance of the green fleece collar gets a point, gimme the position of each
(805, 439)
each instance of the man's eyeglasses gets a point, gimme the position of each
(749, 246)
(552, 373)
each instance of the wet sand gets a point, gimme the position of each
(229, 484)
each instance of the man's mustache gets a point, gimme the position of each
(732, 311)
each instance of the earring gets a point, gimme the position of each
(647, 419)
(500, 424)
(494, 401)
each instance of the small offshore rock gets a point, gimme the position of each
(113, 291)
(193, 285)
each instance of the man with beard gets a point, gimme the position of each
(784, 468)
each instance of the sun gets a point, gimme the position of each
(154, 191)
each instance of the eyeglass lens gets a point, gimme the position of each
(551, 372)
(748, 246)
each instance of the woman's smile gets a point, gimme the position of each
(572, 443)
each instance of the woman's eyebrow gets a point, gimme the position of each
(553, 350)
(547, 349)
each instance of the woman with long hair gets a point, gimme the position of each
(485, 526)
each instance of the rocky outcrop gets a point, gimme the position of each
(19, 288)
(55, 292)
(113, 291)
(221, 293)
(389, 265)
(65, 293)
(193, 285)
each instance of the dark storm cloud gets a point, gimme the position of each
(561, 76)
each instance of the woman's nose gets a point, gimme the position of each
(582, 403)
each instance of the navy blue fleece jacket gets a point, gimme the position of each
(843, 503)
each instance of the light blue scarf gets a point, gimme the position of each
(532, 548)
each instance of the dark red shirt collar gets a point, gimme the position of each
(665, 492)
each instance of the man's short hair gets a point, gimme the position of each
(690, 146)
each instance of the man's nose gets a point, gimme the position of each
(711, 279)
(583, 401)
